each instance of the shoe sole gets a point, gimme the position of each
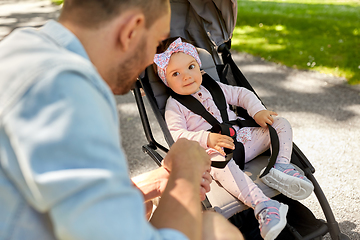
(292, 187)
(276, 230)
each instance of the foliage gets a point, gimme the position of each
(320, 35)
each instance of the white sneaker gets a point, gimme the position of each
(272, 218)
(287, 180)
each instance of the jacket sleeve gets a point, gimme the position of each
(175, 117)
(71, 165)
(242, 97)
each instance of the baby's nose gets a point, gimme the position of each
(187, 76)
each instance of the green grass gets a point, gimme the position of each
(322, 35)
(57, 2)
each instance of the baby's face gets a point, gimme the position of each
(183, 74)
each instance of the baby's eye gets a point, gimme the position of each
(175, 74)
(192, 66)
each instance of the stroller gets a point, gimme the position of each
(209, 24)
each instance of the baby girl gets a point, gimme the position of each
(179, 68)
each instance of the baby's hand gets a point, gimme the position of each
(218, 141)
(263, 117)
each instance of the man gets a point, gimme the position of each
(63, 173)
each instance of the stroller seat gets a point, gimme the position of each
(218, 198)
(226, 204)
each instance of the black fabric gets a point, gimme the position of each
(298, 217)
(275, 150)
(217, 95)
(244, 123)
(239, 154)
(220, 164)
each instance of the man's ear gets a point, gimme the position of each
(130, 29)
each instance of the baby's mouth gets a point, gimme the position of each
(186, 85)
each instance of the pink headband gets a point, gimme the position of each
(162, 59)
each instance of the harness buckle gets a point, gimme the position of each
(227, 129)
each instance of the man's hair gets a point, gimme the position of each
(93, 13)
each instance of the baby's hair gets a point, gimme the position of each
(166, 43)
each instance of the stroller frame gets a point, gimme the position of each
(209, 24)
(331, 225)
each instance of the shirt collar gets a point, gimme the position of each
(202, 95)
(64, 38)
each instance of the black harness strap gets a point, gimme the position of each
(244, 123)
(238, 154)
(220, 101)
(217, 94)
(275, 146)
(219, 164)
(274, 139)
(196, 107)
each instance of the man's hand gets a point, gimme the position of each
(187, 162)
(189, 156)
(185, 154)
(205, 184)
(219, 141)
(264, 117)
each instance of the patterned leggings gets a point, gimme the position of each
(235, 181)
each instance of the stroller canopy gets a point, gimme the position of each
(208, 23)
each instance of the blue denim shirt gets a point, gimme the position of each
(63, 172)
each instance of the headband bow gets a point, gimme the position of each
(162, 59)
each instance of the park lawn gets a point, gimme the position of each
(321, 35)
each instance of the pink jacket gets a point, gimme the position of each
(183, 123)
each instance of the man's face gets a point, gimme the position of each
(129, 70)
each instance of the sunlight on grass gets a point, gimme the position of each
(319, 36)
(279, 28)
(260, 43)
(57, 2)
